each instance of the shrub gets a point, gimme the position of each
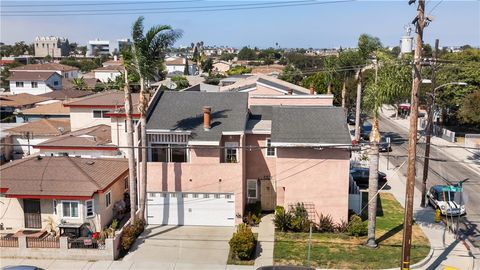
(341, 226)
(242, 243)
(300, 221)
(356, 227)
(282, 219)
(326, 224)
(128, 237)
(138, 226)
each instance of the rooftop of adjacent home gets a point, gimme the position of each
(31, 75)
(54, 108)
(43, 67)
(96, 136)
(44, 176)
(42, 127)
(106, 99)
(20, 100)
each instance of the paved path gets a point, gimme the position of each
(266, 240)
(447, 250)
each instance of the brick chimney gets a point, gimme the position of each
(206, 117)
(312, 89)
(290, 91)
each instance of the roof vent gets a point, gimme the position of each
(90, 162)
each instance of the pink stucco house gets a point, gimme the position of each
(212, 153)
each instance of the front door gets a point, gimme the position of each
(31, 211)
(267, 195)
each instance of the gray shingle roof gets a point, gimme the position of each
(183, 111)
(309, 125)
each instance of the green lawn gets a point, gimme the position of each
(343, 251)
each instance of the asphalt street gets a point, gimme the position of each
(442, 170)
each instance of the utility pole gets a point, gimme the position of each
(419, 21)
(344, 93)
(429, 128)
(357, 107)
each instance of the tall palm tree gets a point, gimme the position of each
(130, 150)
(148, 56)
(390, 84)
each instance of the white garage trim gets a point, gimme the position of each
(187, 208)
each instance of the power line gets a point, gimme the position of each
(73, 4)
(185, 10)
(434, 7)
(160, 8)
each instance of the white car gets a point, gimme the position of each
(447, 199)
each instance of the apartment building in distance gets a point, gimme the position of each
(53, 46)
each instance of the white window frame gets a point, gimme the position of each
(55, 203)
(102, 114)
(256, 188)
(108, 198)
(34, 84)
(78, 209)
(93, 208)
(229, 146)
(19, 84)
(269, 147)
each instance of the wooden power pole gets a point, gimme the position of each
(429, 127)
(412, 137)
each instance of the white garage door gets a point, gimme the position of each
(181, 208)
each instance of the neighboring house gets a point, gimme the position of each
(10, 103)
(203, 87)
(177, 66)
(92, 142)
(90, 83)
(209, 155)
(33, 133)
(108, 73)
(54, 110)
(221, 67)
(52, 46)
(66, 94)
(34, 82)
(66, 190)
(64, 70)
(105, 108)
(233, 79)
(6, 144)
(267, 90)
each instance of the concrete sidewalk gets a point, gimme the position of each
(467, 157)
(447, 250)
(266, 242)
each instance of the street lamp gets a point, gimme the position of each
(429, 129)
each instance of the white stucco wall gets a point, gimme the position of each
(21, 144)
(104, 76)
(83, 118)
(42, 86)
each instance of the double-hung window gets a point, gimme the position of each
(70, 209)
(108, 199)
(19, 84)
(169, 153)
(90, 208)
(231, 152)
(100, 114)
(271, 151)
(34, 84)
(252, 189)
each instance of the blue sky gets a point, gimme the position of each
(318, 26)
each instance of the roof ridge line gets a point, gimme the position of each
(83, 172)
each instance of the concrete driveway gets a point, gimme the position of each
(182, 247)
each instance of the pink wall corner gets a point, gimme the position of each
(313, 176)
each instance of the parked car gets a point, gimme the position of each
(365, 130)
(361, 175)
(384, 145)
(21, 267)
(447, 199)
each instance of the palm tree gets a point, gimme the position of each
(126, 55)
(390, 84)
(148, 55)
(79, 83)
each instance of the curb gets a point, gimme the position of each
(425, 261)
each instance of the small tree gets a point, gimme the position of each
(186, 70)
